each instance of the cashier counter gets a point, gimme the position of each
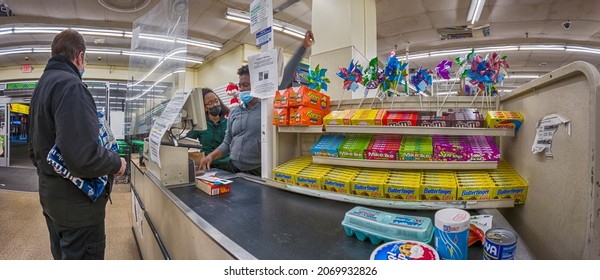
(253, 221)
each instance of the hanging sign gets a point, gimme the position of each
(546, 127)
(264, 36)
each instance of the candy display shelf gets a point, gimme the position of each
(389, 203)
(301, 129)
(396, 164)
(420, 130)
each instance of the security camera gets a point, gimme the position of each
(99, 58)
(567, 24)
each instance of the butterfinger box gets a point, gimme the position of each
(306, 116)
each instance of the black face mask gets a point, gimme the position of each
(215, 111)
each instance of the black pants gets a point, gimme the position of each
(233, 169)
(68, 243)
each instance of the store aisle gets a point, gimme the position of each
(23, 233)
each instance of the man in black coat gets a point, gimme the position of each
(63, 112)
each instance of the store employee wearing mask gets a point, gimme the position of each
(216, 125)
(242, 139)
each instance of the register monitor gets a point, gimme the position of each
(193, 116)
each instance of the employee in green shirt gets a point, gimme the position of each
(216, 124)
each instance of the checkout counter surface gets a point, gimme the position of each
(271, 223)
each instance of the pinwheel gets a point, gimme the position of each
(498, 64)
(352, 76)
(464, 63)
(394, 72)
(421, 80)
(479, 73)
(442, 70)
(316, 79)
(372, 74)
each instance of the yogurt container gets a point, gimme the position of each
(451, 233)
(404, 250)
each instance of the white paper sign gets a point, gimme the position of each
(164, 122)
(264, 72)
(261, 15)
(546, 127)
(117, 124)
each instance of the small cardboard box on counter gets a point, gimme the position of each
(212, 188)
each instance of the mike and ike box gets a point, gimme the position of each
(307, 97)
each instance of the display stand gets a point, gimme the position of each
(290, 142)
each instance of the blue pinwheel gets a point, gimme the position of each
(316, 79)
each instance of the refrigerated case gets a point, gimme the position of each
(4, 134)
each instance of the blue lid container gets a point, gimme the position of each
(381, 226)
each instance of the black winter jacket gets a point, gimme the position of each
(63, 112)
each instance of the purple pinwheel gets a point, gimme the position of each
(442, 70)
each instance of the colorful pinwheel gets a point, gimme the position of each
(480, 74)
(394, 72)
(422, 79)
(372, 75)
(352, 76)
(464, 63)
(442, 70)
(316, 79)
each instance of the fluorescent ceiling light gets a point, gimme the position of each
(287, 28)
(497, 49)
(475, 10)
(441, 81)
(582, 49)
(542, 48)
(449, 52)
(109, 33)
(171, 56)
(447, 93)
(522, 77)
(237, 15)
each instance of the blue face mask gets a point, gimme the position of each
(81, 73)
(245, 96)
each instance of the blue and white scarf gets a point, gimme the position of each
(92, 187)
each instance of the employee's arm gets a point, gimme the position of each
(292, 67)
(207, 160)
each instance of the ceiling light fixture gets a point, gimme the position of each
(475, 10)
(191, 59)
(286, 28)
(450, 52)
(109, 33)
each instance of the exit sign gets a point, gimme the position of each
(26, 69)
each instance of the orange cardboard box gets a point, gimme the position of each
(308, 98)
(282, 99)
(306, 116)
(212, 189)
(281, 116)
